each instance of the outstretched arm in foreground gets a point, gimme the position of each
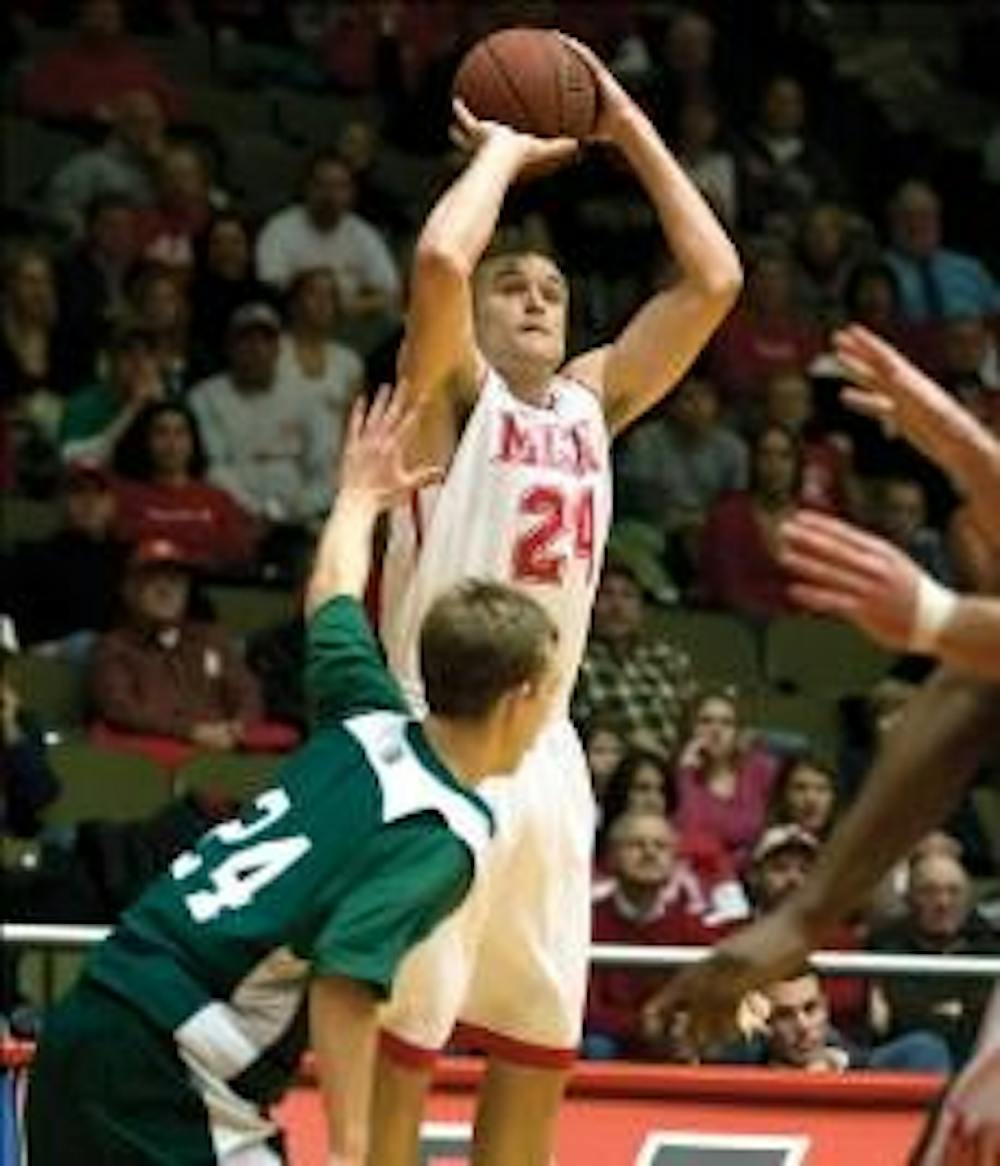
(924, 764)
(669, 331)
(373, 477)
(846, 572)
(888, 387)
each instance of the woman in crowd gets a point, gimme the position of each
(724, 780)
(162, 492)
(805, 795)
(162, 310)
(310, 359)
(605, 748)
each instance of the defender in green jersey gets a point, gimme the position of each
(191, 1018)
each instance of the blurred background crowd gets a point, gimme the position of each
(207, 211)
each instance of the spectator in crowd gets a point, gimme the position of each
(829, 244)
(605, 748)
(940, 918)
(65, 587)
(81, 80)
(96, 416)
(224, 278)
(162, 492)
(160, 679)
(935, 283)
(27, 782)
(267, 442)
(641, 782)
(710, 165)
(784, 170)
(902, 518)
(182, 209)
(724, 778)
(685, 68)
(805, 795)
(36, 365)
(125, 164)
(828, 479)
(765, 335)
(276, 656)
(630, 673)
(872, 297)
(738, 564)
(93, 281)
(971, 354)
(324, 231)
(310, 361)
(160, 309)
(672, 468)
(636, 908)
(798, 1035)
(389, 208)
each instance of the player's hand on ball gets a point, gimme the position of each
(373, 462)
(471, 133)
(614, 102)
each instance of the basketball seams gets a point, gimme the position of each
(497, 61)
(558, 75)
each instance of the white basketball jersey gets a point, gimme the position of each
(526, 501)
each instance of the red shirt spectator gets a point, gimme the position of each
(81, 80)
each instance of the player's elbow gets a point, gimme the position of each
(723, 282)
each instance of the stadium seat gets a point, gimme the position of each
(102, 784)
(723, 649)
(29, 153)
(242, 610)
(237, 775)
(51, 689)
(24, 519)
(822, 657)
(986, 800)
(814, 719)
(261, 169)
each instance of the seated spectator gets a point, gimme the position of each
(766, 334)
(828, 479)
(310, 361)
(636, 909)
(798, 1035)
(724, 779)
(37, 367)
(783, 169)
(160, 309)
(935, 283)
(223, 279)
(685, 65)
(637, 677)
(162, 493)
(872, 297)
(971, 354)
(805, 795)
(604, 747)
(163, 684)
(182, 209)
(387, 207)
(708, 162)
(267, 442)
(738, 566)
(671, 469)
(27, 782)
(829, 245)
(276, 656)
(641, 782)
(97, 416)
(81, 80)
(324, 231)
(940, 918)
(64, 588)
(901, 517)
(125, 164)
(94, 279)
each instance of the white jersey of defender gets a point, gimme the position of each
(526, 501)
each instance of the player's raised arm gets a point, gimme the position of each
(373, 477)
(887, 387)
(440, 347)
(849, 573)
(667, 333)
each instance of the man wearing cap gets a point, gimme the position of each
(267, 442)
(160, 674)
(634, 676)
(96, 416)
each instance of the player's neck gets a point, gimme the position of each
(528, 382)
(460, 747)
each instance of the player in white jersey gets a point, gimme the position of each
(946, 731)
(526, 500)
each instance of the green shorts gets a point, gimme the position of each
(108, 1089)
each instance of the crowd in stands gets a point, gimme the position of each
(178, 355)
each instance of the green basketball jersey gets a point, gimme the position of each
(362, 845)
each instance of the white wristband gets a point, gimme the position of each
(935, 607)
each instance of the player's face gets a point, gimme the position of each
(799, 1020)
(521, 303)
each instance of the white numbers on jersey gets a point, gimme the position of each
(540, 553)
(239, 876)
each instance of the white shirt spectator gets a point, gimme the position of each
(335, 388)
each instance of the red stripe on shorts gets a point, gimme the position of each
(408, 1055)
(518, 1052)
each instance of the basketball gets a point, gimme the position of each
(530, 80)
